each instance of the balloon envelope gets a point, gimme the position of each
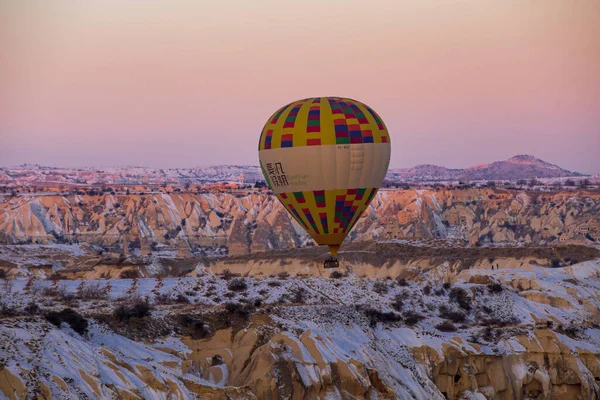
(325, 158)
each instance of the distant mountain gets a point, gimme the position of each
(127, 175)
(517, 167)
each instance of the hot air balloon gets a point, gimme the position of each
(325, 158)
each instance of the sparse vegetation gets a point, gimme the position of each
(454, 316)
(75, 320)
(137, 309)
(7, 310)
(299, 295)
(380, 287)
(283, 275)
(92, 291)
(572, 331)
(31, 308)
(241, 309)
(412, 317)
(376, 316)
(237, 285)
(398, 303)
(129, 274)
(495, 288)
(63, 293)
(336, 275)
(461, 297)
(228, 275)
(446, 326)
(194, 327)
(402, 281)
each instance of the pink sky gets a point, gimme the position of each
(186, 83)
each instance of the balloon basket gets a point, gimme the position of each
(331, 262)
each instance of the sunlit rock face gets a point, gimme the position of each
(257, 222)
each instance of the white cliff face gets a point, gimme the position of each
(258, 222)
(526, 332)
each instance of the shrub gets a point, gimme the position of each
(299, 295)
(258, 302)
(376, 316)
(129, 274)
(64, 294)
(274, 283)
(447, 285)
(380, 287)
(237, 284)
(241, 309)
(571, 331)
(49, 291)
(427, 290)
(446, 326)
(461, 297)
(487, 310)
(227, 275)
(488, 334)
(283, 275)
(199, 330)
(503, 321)
(31, 308)
(93, 291)
(402, 281)
(77, 322)
(3, 273)
(474, 338)
(181, 299)
(138, 309)
(398, 303)
(163, 298)
(7, 310)
(336, 275)
(454, 316)
(412, 317)
(495, 288)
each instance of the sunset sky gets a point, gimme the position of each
(189, 83)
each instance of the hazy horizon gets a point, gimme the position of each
(230, 164)
(186, 83)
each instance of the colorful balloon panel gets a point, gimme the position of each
(323, 121)
(325, 158)
(327, 215)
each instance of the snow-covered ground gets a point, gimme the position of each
(348, 320)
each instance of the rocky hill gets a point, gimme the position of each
(257, 222)
(517, 167)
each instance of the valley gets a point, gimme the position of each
(442, 292)
(397, 320)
